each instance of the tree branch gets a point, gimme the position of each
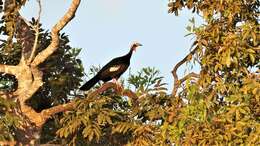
(42, 56)
(192, 74)
(177, 82)
(9, 143)
(36, 29)
(30, 77)
(47, 113)
(9, 69)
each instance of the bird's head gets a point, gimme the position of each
(135, 45)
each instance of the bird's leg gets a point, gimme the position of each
(118, 84)
(114, 80)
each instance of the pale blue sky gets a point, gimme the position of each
(106, 28)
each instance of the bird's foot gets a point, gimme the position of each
(118, 84)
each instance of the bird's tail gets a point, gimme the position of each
(89, 83)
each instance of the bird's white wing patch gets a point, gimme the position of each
(114, 68)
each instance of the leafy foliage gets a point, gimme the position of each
(8, 120)
(11, 12)
(219, 107)
(144, 80)
(222, 106)
(112, 119)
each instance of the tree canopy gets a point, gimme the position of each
(40, 74)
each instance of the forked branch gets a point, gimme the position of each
(178, 82)
(42, 56)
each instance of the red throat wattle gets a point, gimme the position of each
(134, 49)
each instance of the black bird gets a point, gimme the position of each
(112, 70)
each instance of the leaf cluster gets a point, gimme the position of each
(113, 119)
(221, 107)
(8, 119)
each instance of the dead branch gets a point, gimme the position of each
(42, 56)
(177, 82)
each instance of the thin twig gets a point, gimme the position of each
(36, 29)
(192, 74)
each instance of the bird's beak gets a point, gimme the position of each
(138, 44)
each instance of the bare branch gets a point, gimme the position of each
(36, 29)
(190, 75)
(47, 113)
(9, 69)
(257, 48)
(42, 56)
(40, 11)
(9, 143)
(174, 71)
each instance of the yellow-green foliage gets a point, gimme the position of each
(112, 119)
(222, 106)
